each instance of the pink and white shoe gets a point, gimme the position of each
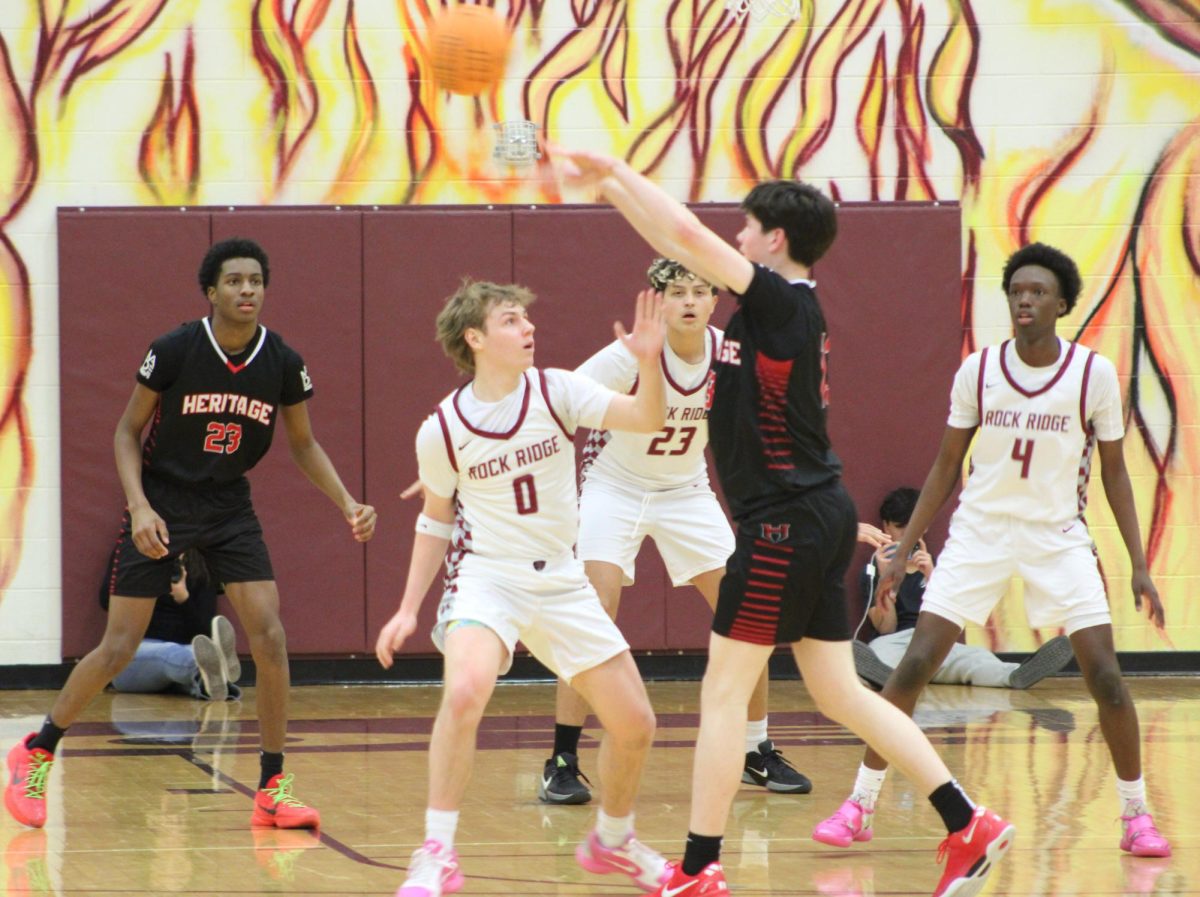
(433, 872)
(648, 868)
(1141, 838)
(851, 822)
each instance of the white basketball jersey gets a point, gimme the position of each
(1037, 428)
(514, 487)
(671, 457)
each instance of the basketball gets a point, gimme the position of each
(469, 48)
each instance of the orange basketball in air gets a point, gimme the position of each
(468, 48)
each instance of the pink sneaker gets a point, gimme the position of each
(25, 791)
(1141, 838)
(433, 872)
(648, 869)
(707, 882)
(851, 822)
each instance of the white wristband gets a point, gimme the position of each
(436, 528)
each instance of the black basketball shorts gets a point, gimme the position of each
(219, 521)
(785, 579)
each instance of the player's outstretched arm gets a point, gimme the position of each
(149, 530)
(939, 484)
(311, 458)
(664, 222)
(434, 528)
(645, 410)
(1119, 492)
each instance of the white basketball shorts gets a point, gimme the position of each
(552, 609)
(687, 525)
(1057, 563)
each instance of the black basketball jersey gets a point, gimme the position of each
(767, 420)
(216, 415)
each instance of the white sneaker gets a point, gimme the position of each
(225, 639)
(433, 872)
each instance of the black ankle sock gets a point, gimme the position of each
(566, 739)
(700, 851)
(48, 738)
(952, 805)
(272, 765)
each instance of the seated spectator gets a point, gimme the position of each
(894, 618)
(188, 648)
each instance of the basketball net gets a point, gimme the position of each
(760, 9)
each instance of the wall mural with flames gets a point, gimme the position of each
(1076, 122)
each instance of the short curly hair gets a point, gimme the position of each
(664, 271)
(1057, 262)
(469, 307)
(236, 248)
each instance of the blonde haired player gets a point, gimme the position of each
(656, 484)
(1037, 407)
(497, 463)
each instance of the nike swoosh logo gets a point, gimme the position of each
(1069, 528)
(671, 892)
(971, 830)
(546, 783)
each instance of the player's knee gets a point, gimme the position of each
(115, 652)
(269, 644)
(1107, 687)
(466, 697)
(634, 729)
(913, 673)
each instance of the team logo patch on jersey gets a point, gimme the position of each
(775, 532)
(147, 367)
(305, 380)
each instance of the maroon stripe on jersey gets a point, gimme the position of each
(979, 384)
(553, 413)
(712, 354)
(1083, 418)
(485, 433)
(1029, 394)
(446, 438)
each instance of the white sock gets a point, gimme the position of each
(613, 830)
(440, 826)
(756, 734)
(1133, 796)
(867, 786)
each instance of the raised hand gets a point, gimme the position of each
(649, 327)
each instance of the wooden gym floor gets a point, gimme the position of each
(152, 795)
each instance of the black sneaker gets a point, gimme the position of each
(1045, 661)
(560, 783)
(766, 766)
(868, 665)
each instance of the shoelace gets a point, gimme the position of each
(639, 853)
(428, 867)
(775, 757)
(282, 793)
(572, 768)
(35, 778)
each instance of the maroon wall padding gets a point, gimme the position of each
(413, 259)
(890, 288)
(357, 291)
(124, 278)
(314, 302)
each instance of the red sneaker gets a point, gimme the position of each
(708, 881)
(25, 791)
(971, 853)
(274, 805)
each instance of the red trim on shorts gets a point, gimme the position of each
(553, 413)
(1029, 394)
(446, 437)
(1087, 373)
